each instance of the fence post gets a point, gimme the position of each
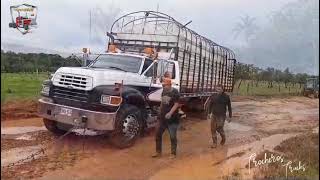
(248, 88)
(279, 87)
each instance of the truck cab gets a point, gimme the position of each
(311, 87)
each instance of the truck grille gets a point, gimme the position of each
(69, 94)
(72, 81)
(78, 99)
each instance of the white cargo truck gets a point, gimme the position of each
(119, 92)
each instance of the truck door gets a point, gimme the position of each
(161, 67)
(172, 68)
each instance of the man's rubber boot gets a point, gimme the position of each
(156, 155)
(223, 140)
(214, 142)
(173, 156)
(214, 145)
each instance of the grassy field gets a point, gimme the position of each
(16, 86)
(247, 88)
(27, 86)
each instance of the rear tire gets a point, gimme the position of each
(52, 126)
(128, 126)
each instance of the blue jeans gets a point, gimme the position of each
(172, 128)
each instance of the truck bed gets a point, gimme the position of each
(203, 63)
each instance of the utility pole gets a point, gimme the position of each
(90, 27)
(86, 51)
(315, 25)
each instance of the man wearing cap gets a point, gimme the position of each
(217, 114)
(168, 117)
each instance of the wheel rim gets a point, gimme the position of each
(130, 126)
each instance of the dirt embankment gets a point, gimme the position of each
(23, 109)
(300, 155)
(258, 125)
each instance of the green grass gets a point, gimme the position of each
(263, 90)
(16, 86)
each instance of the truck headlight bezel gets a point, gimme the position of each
(111, 100)
(45, 90)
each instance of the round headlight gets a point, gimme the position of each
(45, 90)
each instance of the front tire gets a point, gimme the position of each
(128, 126)
(52, 126)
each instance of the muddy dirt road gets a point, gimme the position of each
(257, 125)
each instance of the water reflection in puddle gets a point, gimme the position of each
(21, 130)
(16, 154)
(237, 126)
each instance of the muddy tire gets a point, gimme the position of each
(52, 126)
(128, 126)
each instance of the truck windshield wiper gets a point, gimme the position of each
(113, 67)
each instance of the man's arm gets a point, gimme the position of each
(206, 105)
(210, 104)
(176, 105)
(229, 107)
(174, 108)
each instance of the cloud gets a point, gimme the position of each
(64, 24)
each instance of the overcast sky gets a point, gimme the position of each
(63, 24)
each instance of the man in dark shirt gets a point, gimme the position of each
(168, 118)
(217, 114)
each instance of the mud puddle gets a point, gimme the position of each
(21, 130)
(237, 127)
(26, 137)
(315, 130)
(220, 163)
(15, 154)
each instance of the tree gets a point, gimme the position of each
(101, 21)
(245, 27)
(289, 39)
(287, 77)
(31, 62)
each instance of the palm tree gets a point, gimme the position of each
(246, 27)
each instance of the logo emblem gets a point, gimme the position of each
(24, 17)
(70, 87)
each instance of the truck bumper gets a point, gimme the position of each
(72, 116)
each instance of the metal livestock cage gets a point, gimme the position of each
(203, 63)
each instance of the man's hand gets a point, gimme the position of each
(209, 116)
(168, 115)
(229, 119)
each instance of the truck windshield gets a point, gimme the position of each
(118, 62)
